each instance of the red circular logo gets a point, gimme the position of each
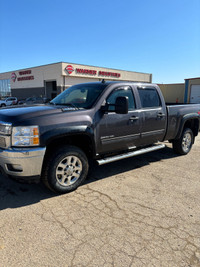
(13, 77)
(69, 69)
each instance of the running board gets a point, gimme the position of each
(130, 154)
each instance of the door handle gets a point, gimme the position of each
(134, 118)
(160, 115)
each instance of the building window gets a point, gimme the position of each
(5, 89)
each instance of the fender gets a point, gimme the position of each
(186, 118)
(53, 134)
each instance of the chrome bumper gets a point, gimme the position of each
(22, 162)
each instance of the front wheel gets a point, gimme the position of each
(65, 170)
(184, 144)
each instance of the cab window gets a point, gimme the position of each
(121, 92)
(149, 97)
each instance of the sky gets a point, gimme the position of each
(161, 37)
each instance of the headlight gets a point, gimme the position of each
(25, 136)
(5, 128)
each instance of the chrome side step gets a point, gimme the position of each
(130, 154)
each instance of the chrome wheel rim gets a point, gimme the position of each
(68, 170)
(187, 141)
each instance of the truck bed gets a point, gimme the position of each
(176, 114)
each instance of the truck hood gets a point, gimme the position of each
(18, 114)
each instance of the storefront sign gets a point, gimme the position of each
(70, 69)
(24, 78)
(13, 77)
(91, 72)
(25, 72)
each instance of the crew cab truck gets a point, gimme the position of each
(101, 122)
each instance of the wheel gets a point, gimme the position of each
(65, 170)
(183, 145)
(3, 105)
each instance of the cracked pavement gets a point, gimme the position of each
(142, 211)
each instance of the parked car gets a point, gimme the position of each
(8, 101)
(102, 122)
(33, 100)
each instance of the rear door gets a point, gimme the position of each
(154, 115)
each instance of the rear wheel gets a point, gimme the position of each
(65, 170)
(184, 144)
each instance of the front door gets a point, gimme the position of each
(119, 131)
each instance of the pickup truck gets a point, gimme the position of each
(102, 122)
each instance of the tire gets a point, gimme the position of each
(65, 170)
(183, 145)
(3, 105)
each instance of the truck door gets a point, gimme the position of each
(119, 131)
(153, 111)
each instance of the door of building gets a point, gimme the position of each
(195, 94)
(50, 89)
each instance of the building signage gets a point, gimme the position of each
(25, 72)
(70, 69)
(23, 78)
(13, 77)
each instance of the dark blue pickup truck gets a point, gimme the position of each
(105, 122)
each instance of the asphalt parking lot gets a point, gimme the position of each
(142, 211)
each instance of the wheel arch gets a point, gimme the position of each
(82, 140)
(189, 121)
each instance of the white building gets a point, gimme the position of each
(49, 80)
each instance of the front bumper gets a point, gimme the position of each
(22, 162)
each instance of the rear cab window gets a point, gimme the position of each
(149, 97)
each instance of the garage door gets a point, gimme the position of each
(195, 94)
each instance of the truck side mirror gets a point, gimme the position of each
(121, 105)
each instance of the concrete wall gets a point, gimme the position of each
(173, 93)
(38, 74)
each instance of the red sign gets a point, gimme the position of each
(91, 72)
(26, 78)
(109, 74)
(70, 69)
(25, 72)
(13, 77)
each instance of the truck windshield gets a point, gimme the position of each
(80, 95)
